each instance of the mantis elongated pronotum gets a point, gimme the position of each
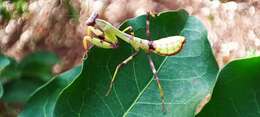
(102, 34)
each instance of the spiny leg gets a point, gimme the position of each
(156, 78)
(129, 28)
(151, 63)
(90, 23)
(86, 44)
(89, 34)
(117, 68)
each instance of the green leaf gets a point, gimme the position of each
(21, 6)
(10, 72)
(42, 103)
(21, 79)
(4, 62)
(187, 78)
(237, 92)
(4, 13)
(38, 65)
(19, 90)
(1, 90)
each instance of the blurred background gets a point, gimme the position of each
(27, 26)
(58, 25)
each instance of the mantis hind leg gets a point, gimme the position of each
(127, 60)
(156, 78)
(151, 63)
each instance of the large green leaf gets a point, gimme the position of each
(19, 90)
(21, 79)
(4, 62)
(1, 90)
(42, 103)
(38, 65)
(237, 92)
(187, 78)
(10, 72)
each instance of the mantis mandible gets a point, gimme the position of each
(103, 34)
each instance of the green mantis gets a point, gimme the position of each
(102, 34)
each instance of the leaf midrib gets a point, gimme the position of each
(141, 93)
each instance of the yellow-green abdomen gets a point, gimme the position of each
(167, 46)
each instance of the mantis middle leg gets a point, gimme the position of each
(127, 60)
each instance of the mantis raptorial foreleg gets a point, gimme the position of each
(151, 63)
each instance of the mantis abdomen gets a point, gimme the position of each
(164, 46)
(167, 46)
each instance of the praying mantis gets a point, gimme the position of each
(102, 34)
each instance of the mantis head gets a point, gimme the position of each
(99, 33)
